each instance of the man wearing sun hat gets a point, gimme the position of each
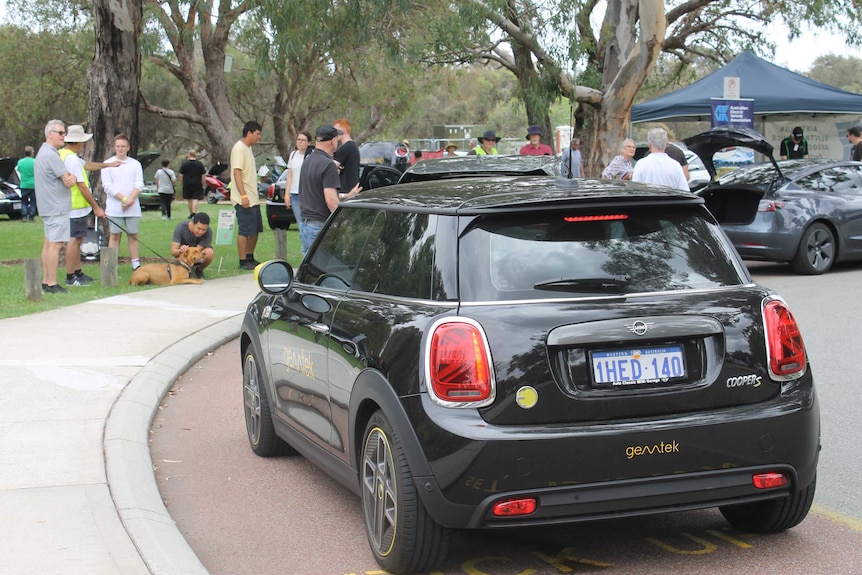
(535, 147)
(487, 145)
(82, 201)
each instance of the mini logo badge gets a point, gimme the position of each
(527, 397)
(640, 327)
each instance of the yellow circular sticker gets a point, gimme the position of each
(527, 397)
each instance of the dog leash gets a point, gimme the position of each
(139, 241)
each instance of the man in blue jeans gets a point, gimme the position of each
(319, 186)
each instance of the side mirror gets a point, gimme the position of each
(274, 277)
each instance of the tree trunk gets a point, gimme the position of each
(625, 69)
(114, 79)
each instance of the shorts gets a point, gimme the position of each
(193, 192)
(249, 221)
(78, 227)
(57, 228)
(130, 224)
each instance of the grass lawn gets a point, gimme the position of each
(20, 240)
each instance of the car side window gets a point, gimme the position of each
(399, 256)
(334, 262)
(379, 177)
(838, 179)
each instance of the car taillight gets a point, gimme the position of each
(458, 365)
(769, 206)
(271, 192)
(783, 341)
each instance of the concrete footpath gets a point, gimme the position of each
(80, 386)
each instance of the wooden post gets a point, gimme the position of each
(108, 266)
(33, 279)
(280, 244)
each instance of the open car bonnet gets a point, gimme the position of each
(7, 170)
(706, 144)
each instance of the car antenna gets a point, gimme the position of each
(567, 180)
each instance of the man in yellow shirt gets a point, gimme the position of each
(243, 194)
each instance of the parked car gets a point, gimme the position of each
(481, 166)
(149, 196)
(371, 176)
(393, 154)
(805, 212)
(523, 351)
(10, 195)
(698, 176)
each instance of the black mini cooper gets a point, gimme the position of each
(506, 352)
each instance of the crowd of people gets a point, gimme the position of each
(320, 173)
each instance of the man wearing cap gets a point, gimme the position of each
(794, 146)
(319, 186)
(535, 147)
(53, 181)
(82, 202)
(487, 145)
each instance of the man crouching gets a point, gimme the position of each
(191, 233)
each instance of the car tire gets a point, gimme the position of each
(258, 417)
(212, 198)
(773, 515)
(402, 535)
(817, 250)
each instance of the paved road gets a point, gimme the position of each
(243, 514)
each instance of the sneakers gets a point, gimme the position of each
(81, 275)
(78, 281)
(247, 265)
(56, 288)
(164, 218)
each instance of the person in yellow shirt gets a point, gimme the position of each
(487, 145)
(243, 194)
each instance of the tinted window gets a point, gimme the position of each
(547, 255)
(837, 179)
(379, 177)
(334, 261)
(399, 256)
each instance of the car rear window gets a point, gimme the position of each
(558, 254)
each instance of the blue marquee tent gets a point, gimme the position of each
(775, 90)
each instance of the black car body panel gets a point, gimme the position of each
(393, 154)
(560, 280)
(479, 166)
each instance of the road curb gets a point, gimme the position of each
(129, 466)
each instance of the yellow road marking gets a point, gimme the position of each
(837, 517)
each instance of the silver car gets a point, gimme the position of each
(805, 212)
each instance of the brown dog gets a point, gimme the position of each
(159, 274)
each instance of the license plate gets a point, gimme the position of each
(16, 205)
(651, 365)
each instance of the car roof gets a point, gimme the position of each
(765, 173)
(490, 194)
(467, 166)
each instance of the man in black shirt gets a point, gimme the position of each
(196, 232)
(346, 156)
(854, 136)
(794, 146)
(319, 185)
(193, 178)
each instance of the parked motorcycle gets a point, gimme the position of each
(216, 189)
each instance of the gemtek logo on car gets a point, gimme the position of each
(657, 449)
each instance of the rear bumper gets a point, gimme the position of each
(761, 241)
(603, 471)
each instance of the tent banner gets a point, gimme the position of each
(732, 112)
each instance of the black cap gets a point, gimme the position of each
(797, 132)
(327, 132)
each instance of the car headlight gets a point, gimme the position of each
(2, 196)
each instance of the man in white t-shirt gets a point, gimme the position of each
(657, 167)
(123, 185)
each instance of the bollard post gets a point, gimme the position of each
(280, 244)
(108, 266)
(33, 279)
